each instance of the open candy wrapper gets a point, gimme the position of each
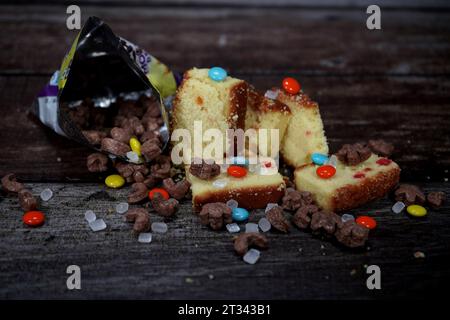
(107, 82)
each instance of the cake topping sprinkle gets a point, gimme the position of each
(353, 154)
(291, 86)
(217, 74)
(326, 171)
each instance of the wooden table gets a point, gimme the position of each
(391, 84)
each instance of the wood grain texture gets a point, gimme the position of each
(114, 265)
(261, 41)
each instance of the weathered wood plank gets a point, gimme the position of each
(114, 265)
(269, 41)
(411, 112)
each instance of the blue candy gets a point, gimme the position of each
(319, 158)
(240, 161)
(240, 214)
(217, 74)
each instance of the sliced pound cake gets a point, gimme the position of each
(351, 186)
(218, 104)
(265, 113)
(304, 134)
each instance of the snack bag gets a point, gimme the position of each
(104, 82)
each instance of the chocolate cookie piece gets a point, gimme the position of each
(141, 219)
(176, 190)
(409, 194)
(204, 170)
(10, 183)
(140, 192)
(435, 199)
(381, 147)
(294, 199)
(163, 207)
(353, 154)
(325, 222)
(115, 147)
(250, 239)
(97, 162)
(216, 215)
(352, 234)
(302, 217)
(277, 219)
(27, 201)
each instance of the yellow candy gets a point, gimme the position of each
(135, 145)
(416, 210)
(114, 181)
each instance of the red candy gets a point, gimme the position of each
(384, 161)
(367, 222)
(237, 171)
(359, 175)
(33, 218)
(161, 191)
(326, 171)
(290, 85)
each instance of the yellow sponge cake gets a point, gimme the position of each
(304, 134)
(351, 186)
(218, 104)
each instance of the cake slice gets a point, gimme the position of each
(304, 134)
(254, 191)
(217, 104)
(351, 186)
(265, 113)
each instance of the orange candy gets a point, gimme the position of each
(161, 191)
(326, 171)
(367, 222)
(237, 171)
(291, 86)
(33, 218)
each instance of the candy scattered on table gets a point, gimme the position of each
(33, 218)
(145, 237)
(159, 227)
(252, 256)
(347, 217)
(135, 145)
(114, 181)
(97, 225)
(270, 206)
(319, 158)
(122, 207)
(217, 74)
(291, 86)
(46, 194)
(240, 214)
(416, 211)
(161, 191)
(264, 224)
(220, 183)
(326, 171)
(233, 228)
(367, 222)
(237, 171)
(398, 207)
(90, 216)
(232, 204)
(251, 227)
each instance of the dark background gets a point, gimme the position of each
(391, 84)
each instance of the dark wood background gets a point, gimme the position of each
(392, 84)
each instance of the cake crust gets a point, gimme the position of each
(249, 198)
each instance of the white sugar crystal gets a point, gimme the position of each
(97, 225)
(347, 217)
(220, 183)
(159, 227)
(133, 157)
(264, 224)
(232, 204)
(90, 216)
(122, 207)
(251, 227)
(252, 256)
(233, 228)
(271, 94)
(223, 167)
(398, 207)
(332, 161)
(46, 194)
(145, 237)
(270, 206)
